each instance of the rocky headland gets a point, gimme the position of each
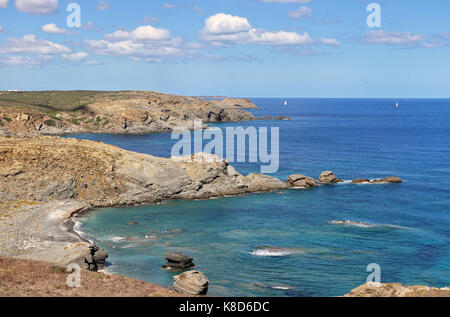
(26, 114)
(101, 175)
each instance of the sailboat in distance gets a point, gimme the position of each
(396, 104)
(285, 103)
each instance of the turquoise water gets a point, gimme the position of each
(355, 138)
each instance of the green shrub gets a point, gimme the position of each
(50, 123)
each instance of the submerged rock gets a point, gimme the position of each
(178, 260)
(385, 180)
(360, 181)
(389, 179)
(301, 181)
(328, 177)
(191, 282)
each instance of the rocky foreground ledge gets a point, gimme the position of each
(397, 290)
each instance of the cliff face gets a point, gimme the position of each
(101, 175)
(133, 112)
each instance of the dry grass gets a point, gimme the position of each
(24, 278)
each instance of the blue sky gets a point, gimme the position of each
(257, 48)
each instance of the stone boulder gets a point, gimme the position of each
(191, 282)
(328, 177)
(301, 181)
(178, 260)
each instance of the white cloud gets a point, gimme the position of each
(169, 6)
(146, 44)
(4, 3)
(1, 29)
(37, 6)
(24, 62)
(74, 57)
(224, 29)
(28, 44)
(288, 1)
(53, 29)
(300, 13)
(102, 6)
(331, 42)
(393, 38)
(226, 24)
(142, 33)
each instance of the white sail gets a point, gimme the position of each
(285, 103)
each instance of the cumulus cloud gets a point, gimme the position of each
(74, 57)
(224, 29)
(29, 44)
(226, 24)
(102, 5)
(4, 3)
(39, 7)
(53, 29)
(331, 42)
(145, 44)
(142, 33)
(24, 61)
(300, 13)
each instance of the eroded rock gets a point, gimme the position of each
(328, 177)
(301, 181)
(191, 282)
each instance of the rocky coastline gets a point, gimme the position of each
(45, 181)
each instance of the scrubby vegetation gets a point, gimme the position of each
(52, 102)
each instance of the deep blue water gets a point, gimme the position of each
(355, 138)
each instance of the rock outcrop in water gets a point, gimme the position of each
(101, 175)
(328, 177)
(397, 290)
(178, 260)
(191, 282)
(301, 181)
